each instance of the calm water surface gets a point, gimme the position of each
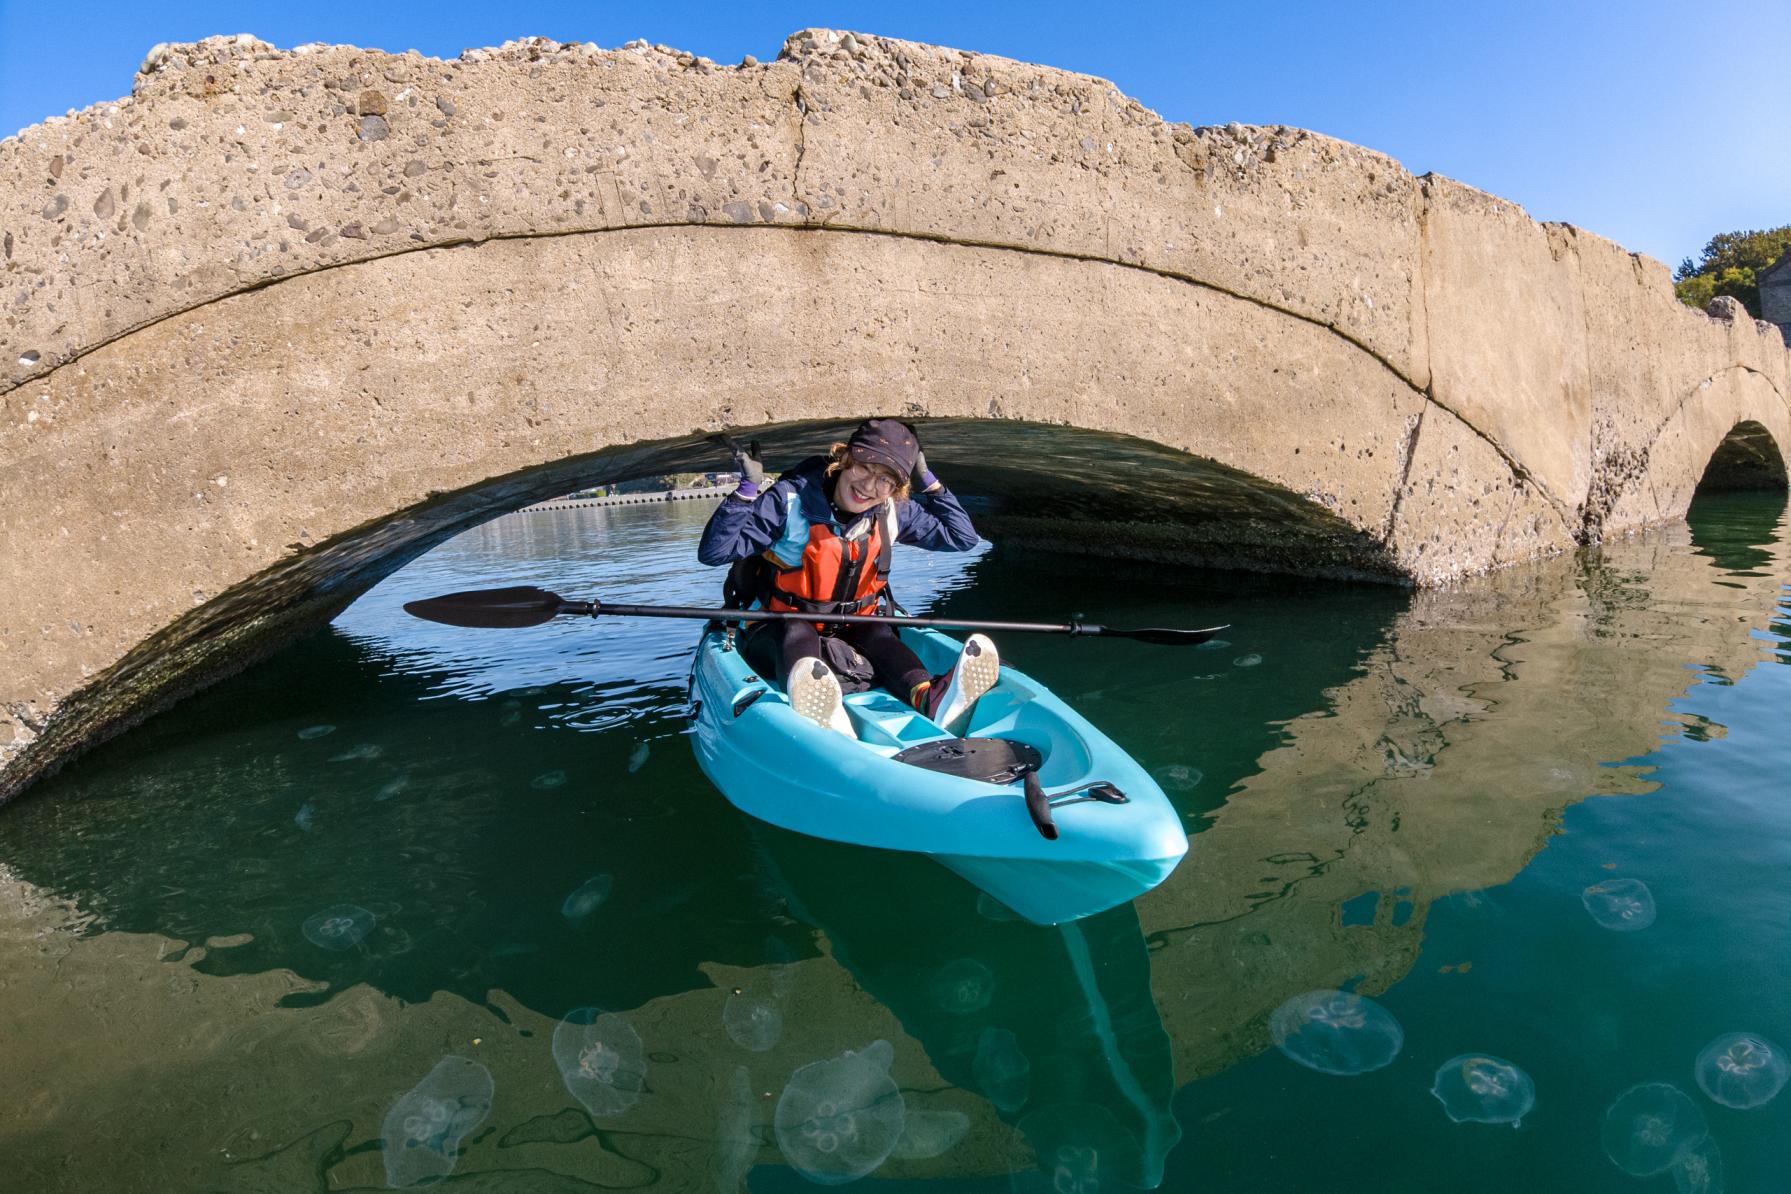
(237, 945)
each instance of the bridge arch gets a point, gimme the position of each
(281, 318)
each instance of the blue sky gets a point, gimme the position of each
(1656, 123)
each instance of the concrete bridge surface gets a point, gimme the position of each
(282, 320)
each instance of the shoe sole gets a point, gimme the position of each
(815, 700)
(979, 673)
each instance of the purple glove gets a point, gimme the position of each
(752, 472)
(923, 481)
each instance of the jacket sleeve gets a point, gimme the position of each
(935, 521)
(739, 528)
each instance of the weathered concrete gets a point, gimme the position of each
(280, 321)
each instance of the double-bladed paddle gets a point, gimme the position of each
(526, 605)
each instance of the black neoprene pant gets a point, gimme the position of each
(894, 663)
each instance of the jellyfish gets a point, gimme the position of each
(587, 899)
(1213, 644)
(838, 1120)
(1475, 1088)
(338, 927)
(305, 818)
(392, 788)
(752, 1021)
(1079, 1148)
(1742, 1070)
(990, 908)
(318, 731)
(1003, 1072)
(1336, 1032)
(736, 1143)
(548, 780)
(422, 1132)
(1700, 1170)
(602, 1060)
(1651, 1127)
(1178, 777)
(1621, 905)
(366, 750)
(637, 758)
(930, 1134)
(963, 987)
(1250, 660)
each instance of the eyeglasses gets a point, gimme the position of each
(873, 480)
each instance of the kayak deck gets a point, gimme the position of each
(783, 768)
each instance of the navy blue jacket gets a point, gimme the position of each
(740, 528)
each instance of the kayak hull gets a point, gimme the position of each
(782, 768)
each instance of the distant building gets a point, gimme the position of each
(1775, 294)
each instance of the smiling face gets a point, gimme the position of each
(861, 486)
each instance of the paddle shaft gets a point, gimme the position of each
(767, 615)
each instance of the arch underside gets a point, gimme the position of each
(1748, 459)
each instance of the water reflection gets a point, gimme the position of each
(1377, 803)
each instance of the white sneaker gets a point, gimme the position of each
(955, 694)
(815, 694)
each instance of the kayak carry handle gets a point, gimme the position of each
(1038, 805)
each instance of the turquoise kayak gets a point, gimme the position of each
(1117, 835)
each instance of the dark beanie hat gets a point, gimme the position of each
(888, 442)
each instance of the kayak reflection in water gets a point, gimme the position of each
(820, 541)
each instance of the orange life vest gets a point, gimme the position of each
(841, 571)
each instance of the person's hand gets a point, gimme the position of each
(750, 468)
(923, 481)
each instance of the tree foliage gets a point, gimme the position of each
(1732, 264)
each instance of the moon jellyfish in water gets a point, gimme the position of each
(930, 1134)
(1250, 660)
(422, 1132)
(601, 1057)
(1475, 1088)
(1002, 1071)
(838, 1120)
(588, 898)
(736, 1142)
(548, 780)
(339, 927)
(1700, 1170)
(963, 987)
(366, 750)
(1651, 1127)
(1076, 1148)
(1336, 1032)
(637, 758)
(305, 818)
(990, 908)
(1742, 1070)
(752, 1021)
(310, 732)
(1621, 905)
(1178, 777)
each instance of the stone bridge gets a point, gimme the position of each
(282, 320)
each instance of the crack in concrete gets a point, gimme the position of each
(1407, 453)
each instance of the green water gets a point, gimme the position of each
(1401, 795)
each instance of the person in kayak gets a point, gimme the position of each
(820, 540)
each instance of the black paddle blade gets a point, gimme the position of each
(1162, 636)
(523, 605)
